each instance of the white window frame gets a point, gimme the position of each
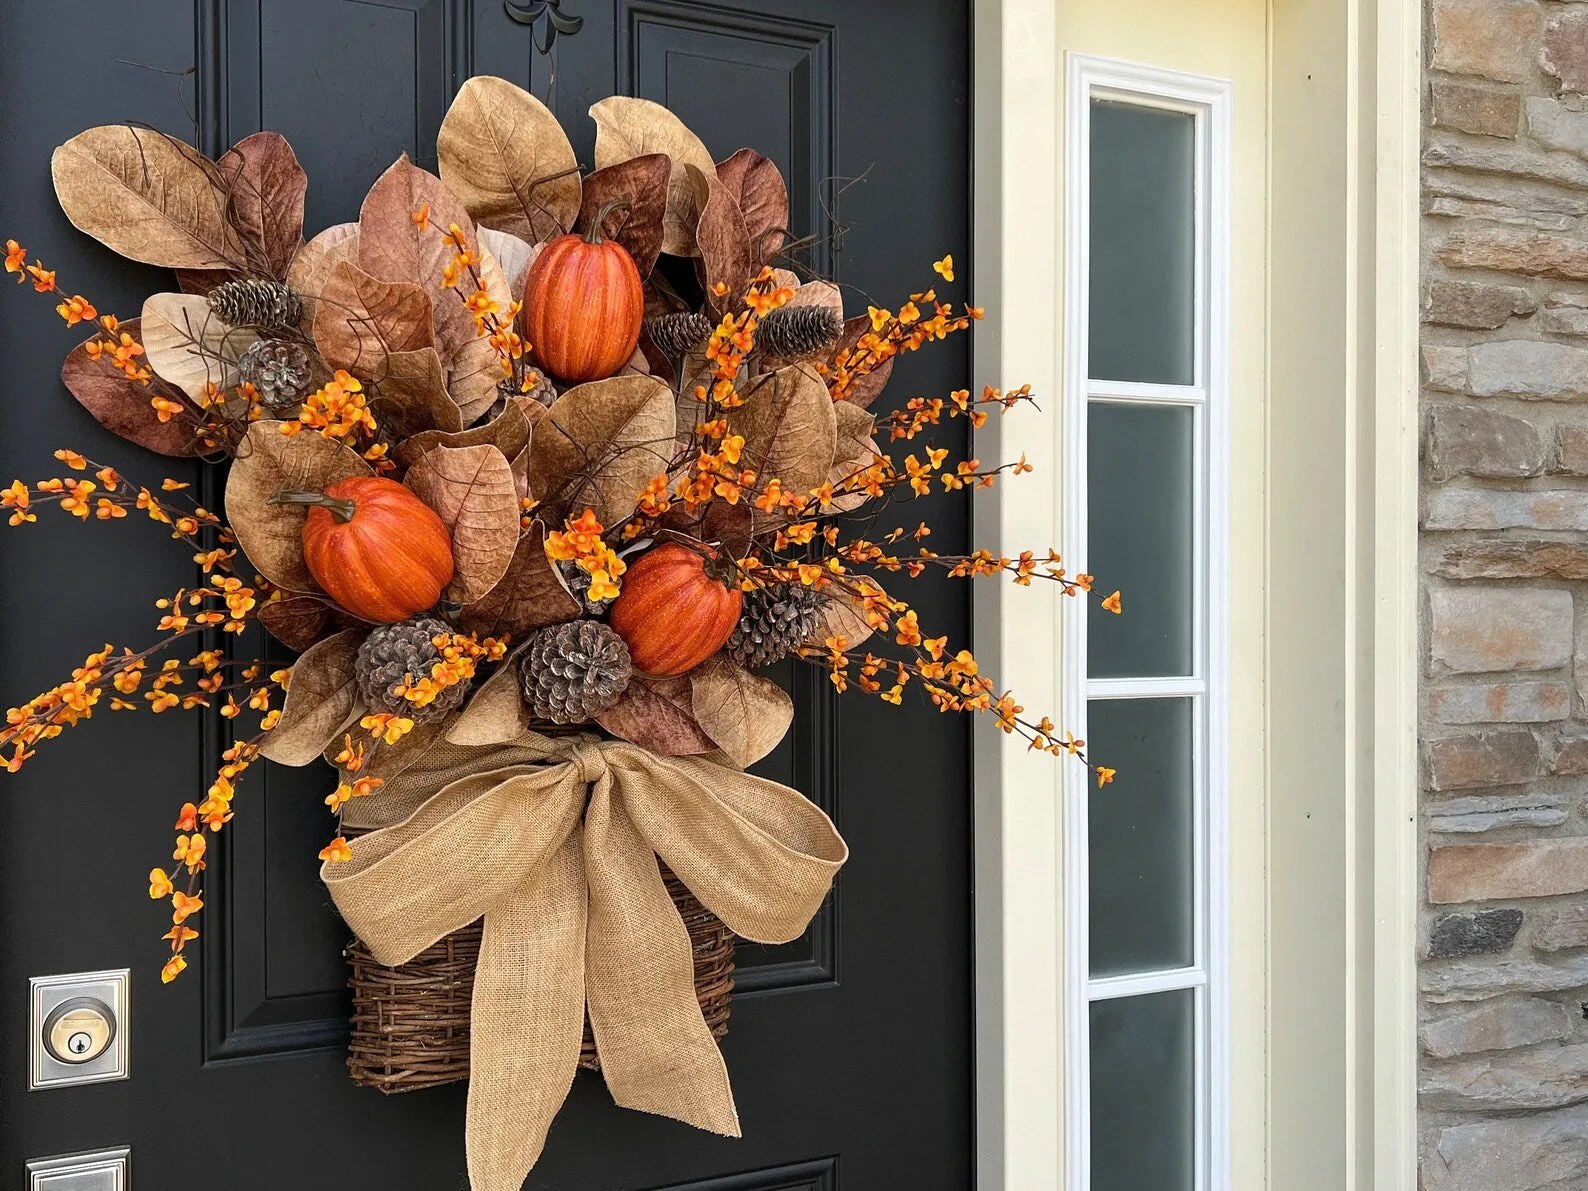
(1208, 101)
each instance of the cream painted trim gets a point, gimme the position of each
(1334, 1120)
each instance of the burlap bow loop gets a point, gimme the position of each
(554, 843)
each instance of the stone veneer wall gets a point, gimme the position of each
(1504, 963)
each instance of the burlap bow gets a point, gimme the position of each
(577, 917)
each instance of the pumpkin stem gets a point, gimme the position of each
(341, 510)
(594, 235)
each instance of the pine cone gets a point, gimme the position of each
(264, 305)
(774, 623)
(675, 334)
(572, 672)
(802, 331)
(281, 372)
(404, 653)
(542, 391)
(578, 581)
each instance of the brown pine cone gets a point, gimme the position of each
(573, 672)
(264, 305)
(676, 334)
(802, 331)
(403, 653)
(774, 623)
(280, 372)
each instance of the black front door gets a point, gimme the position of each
(850, 1050)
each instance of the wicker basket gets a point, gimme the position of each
(411, 1023)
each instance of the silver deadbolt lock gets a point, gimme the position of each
(79, 1030)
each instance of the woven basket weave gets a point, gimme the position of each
(411, 1023)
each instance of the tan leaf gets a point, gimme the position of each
(267, 186)
(296, 621)
(762, 196)
(854, 430)
(508, 432)
(473, 373)
(122, 406)
(745, 714)
(268, 461)
(638, 227)
(868, 387)
(845, 469)
(789, 427)
(628, 128)
(724, 245)
(392, 247)
(147, 196)
(505, 155)
(321, 697)
(658, 714)
(842, 616)
(410, 396)
(530, 596)
(512, 253)
(315, 260)
(187, 345)
(495, 713)
(819, 293)
(361, 320)
(520, 464)
(471, 489)
(599, 444)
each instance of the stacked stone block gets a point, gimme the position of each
(1503, 1011)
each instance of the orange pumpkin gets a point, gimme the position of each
(673, 613)
(583, 305)
(376, 548)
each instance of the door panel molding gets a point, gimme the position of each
(818, 1175)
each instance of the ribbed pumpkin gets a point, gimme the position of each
(376, 548)
(672, 613)
(583, 305)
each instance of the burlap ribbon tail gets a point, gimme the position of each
(554, 843)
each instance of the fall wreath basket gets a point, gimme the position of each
(411, 1022)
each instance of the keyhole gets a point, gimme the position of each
(79, 1043)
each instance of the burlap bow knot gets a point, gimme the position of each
(577, 916)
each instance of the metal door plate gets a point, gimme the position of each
(101, 1170)
(45, 995)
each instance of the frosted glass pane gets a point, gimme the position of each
(1140, 538)
(1143, 1092)
(1143, 225)
(1141, 845)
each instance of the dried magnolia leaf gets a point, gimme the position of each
(393, 247)
(638, 227)
(520, 463)
(658, 714)
(530, 596)
(187, 345)
(746, 715)
(724, 245)
(267, 462)
(296, 621)
(789, 427)
(505, 155)
(818, 293)
(202, 281)
(473, 373)
(868, 387)
(321, 696)
(627, 128)
(495, 713)
(312, 266)
(471, 490)
(410, 396)
(267, 187)
(761, 195)
(842, 616)
(855, 428)
(360, 320)
(599, 444)
(122, 406)
(512, 253)
(508, 432)
(147, 196)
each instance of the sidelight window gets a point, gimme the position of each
(1146, 400)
